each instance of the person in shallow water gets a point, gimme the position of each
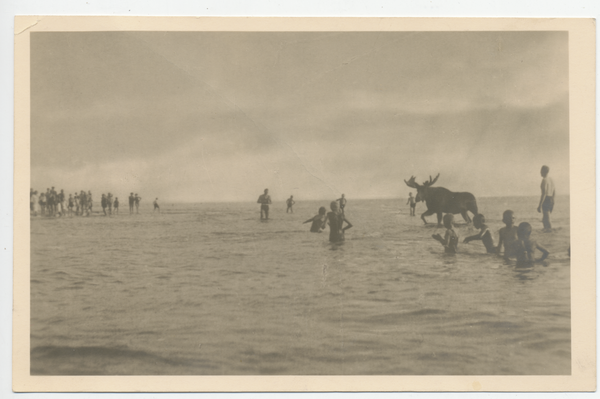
(336, 220)
(508, 234)
(450, 240)
(413, 204)
(547, 198)
(319, 221)
(290, 203)
(485, 235)
(524, 248)
(156, 206)
(264, 201)
(131, 202)
(342, 201)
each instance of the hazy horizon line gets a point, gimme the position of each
(351, 199)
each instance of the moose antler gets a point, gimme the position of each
(431, 182)
(411, 182)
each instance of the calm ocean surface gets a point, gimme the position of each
(210, 289)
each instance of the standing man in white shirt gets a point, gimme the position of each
(547, 199)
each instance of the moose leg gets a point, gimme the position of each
(426, 213)
(465, 216)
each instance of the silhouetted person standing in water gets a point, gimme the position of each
(342, 201)
(413, 204)
(137, 200)
(264, 201)
(547, 198)
(156, 206)
(290, 203)
(131, 202)
(336, 220)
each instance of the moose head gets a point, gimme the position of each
(421, 188)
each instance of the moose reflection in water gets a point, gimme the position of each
(441, 200)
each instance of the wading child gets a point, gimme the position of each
(450, 240)
(508, 234)
(319, 221)
(485, 235)
(116, 205)
(524, 247)
(336, 220)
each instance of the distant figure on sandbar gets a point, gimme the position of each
(109, 203)
(137, 200)
(485, 235)
(131, 202)
(70, 204)
(290, 203)
(103, 203)
(342, 201)
(450, 240)
(547, 198)
(508, 234)
(90, 202)
(413, 204)
(116, 205)
(319, 221)
(156, 206)
(524, 247)
(33, 200)
(336, 220)
(264, 201)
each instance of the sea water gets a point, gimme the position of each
(209, 289)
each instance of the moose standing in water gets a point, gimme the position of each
(440, 200)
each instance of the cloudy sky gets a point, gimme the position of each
(220, 116)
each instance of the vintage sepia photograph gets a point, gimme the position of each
(300, 203)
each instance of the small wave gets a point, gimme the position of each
(89, 360)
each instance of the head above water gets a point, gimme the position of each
(508, 217)
(478, 220)
(544, 171)
(334, 206)
(266, 190)
(322, 210)
(524, 230)
(448, 220)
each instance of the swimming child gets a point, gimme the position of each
(413, 204)
(508, 234)
(319, 221)
(485, 235)
(336, 220)
(524, 247)
(450, 240)
(290, 203)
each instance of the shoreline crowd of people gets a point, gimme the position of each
(54, 203)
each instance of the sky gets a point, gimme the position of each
(219, 116)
